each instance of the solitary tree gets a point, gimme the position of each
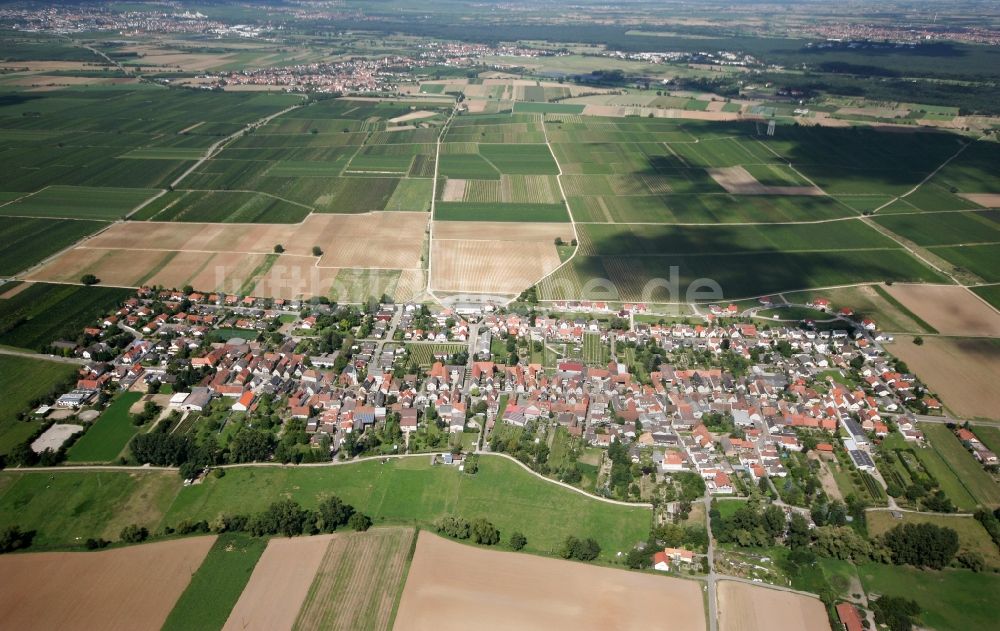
(317, 251)
(278, 249)
(89, 279)
(518, 540)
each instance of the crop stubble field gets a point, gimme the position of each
(450, 584)
(745, 607)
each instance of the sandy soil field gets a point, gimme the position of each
(986, 200)
(493, 267)
(279, 584)
(950, 309)
(503, 231)
(476, 106)
(738, 181)
(110, 590)
(454, 191)
(54, 437)
(223, 257)
(961, 371)
(745, 607)
(505, 590)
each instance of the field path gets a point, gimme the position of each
(569, 211)
(213, 149)
(430, 234)
(926, 179)
(49, 358)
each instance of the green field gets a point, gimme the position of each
(110, 433)
(79, 202)
(22, 380)
(44, 313)
(27, 241)
(945, 228)
(951, 600)
(410, 491)
(480, 211)
(67, 508)
(216, 586)
(981, 260)
(971, 474)
(936, 466)
(224, 207)
(523, 107)
(595, 352)
(72, 504)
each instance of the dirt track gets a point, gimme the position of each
(457, 586)
(126, 589)
(745, 607)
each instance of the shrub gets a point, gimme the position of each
(517, 540)
(359, 522)
(134, 534)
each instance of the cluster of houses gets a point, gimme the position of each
(978, 449)
(770, 404)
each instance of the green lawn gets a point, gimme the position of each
(979, 483)
(68, 507)
(217, 585)
(411, 491)
(951, 600)
(21, 381)
(110, 434)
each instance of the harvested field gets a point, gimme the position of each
(503, 231)
(505, 590)
(745, 607)
(950, 309)
(234, 257)
(279, 584)
(454, 191)
(961, 371)
(497, 267)
(738, 181)
(359, 581)
(987, 200)
(108, 590)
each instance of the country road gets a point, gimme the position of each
(49, 358)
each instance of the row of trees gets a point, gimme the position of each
(479, 530)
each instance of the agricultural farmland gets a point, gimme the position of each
(28, 241)
(38, 314)
(482, 584)
(358, 582)
(86, 590)
(745, 607)
(959, 370)
(979, 483)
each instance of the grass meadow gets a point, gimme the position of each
(110, 433)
